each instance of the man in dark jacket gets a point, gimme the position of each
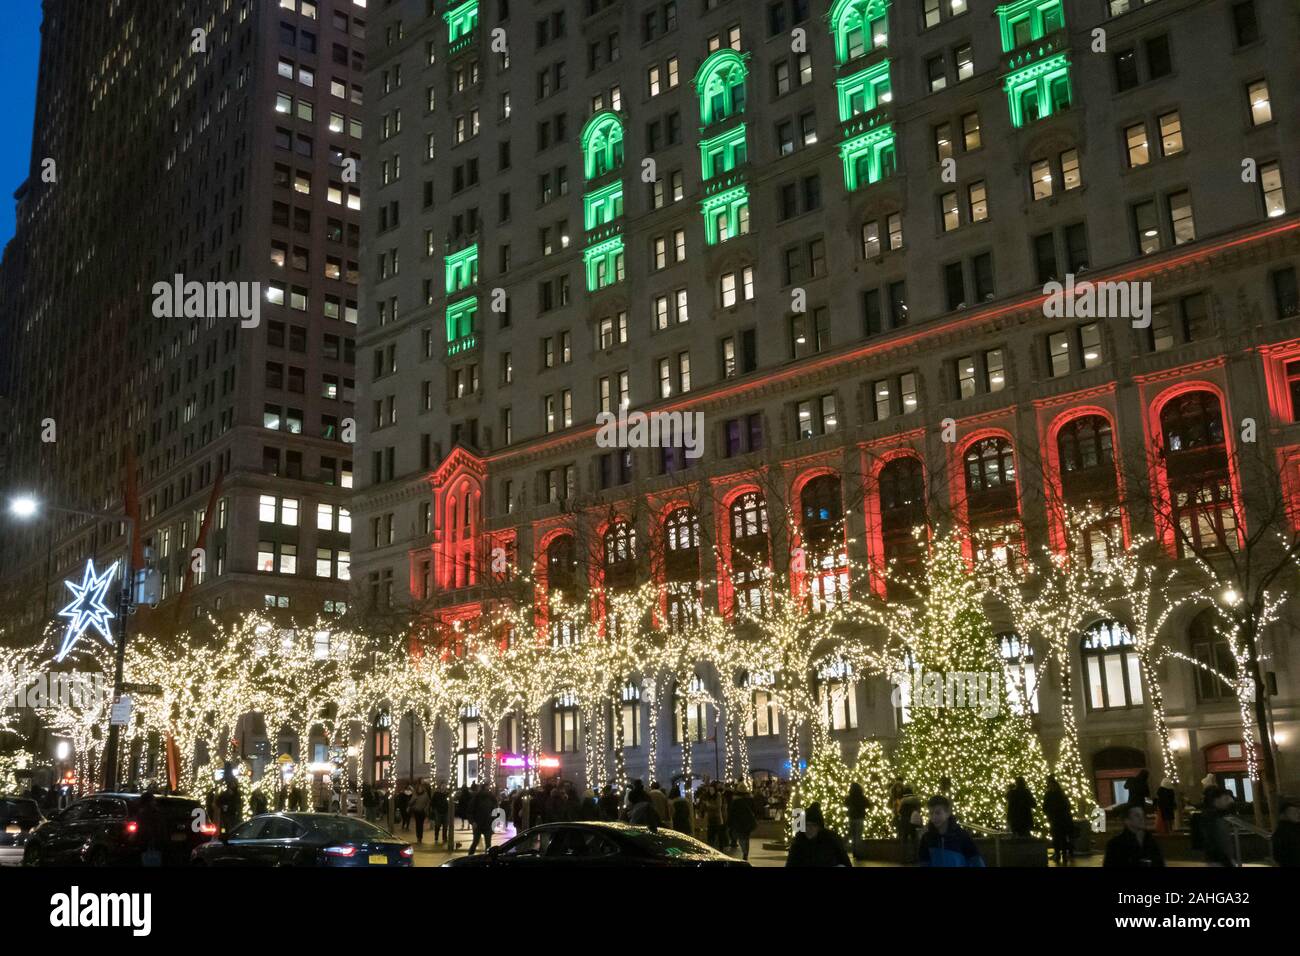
(1134, 846)
(816, 846)
(743, 818)
(1020, 808)
(1220, 850)
(1139, 787)
(482, 807)
(944, 842)
(1286, 838)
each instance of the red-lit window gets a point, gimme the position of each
(902, 511)
(992, 508)
(825, 556)
(1293, 387)
(682, 565)
(1086, 451)
(749, 550)
(620, 556)
(1196, 462)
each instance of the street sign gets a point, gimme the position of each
(148, 690)
(121, 713)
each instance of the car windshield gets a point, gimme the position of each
(671, 843)
(344, 830)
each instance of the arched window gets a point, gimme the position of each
(1209, 647)
(837, 695)
(469, 744)
(902, 510)
(1196, 464)
(720, 85)
(381, 742)
(694, 724)
(749, 550)
(1086, 451)
(620, 555)
(992, 508)
(682, 565)
(561, 566)
(602, 144)
(825, 556)
(1021, 673)
(1111, 667)
(858, 26)
(1112, 768)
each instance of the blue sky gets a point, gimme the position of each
(20, 54)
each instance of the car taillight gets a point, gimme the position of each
(408, 851)
(132, 826)
(341, 850)
(208, 829)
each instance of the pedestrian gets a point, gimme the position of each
(856, 804)
(1056, 805)
(230, 803)
(462, 806)
(815, 845)
(660, 800)
(1220, 848)
(482, 810)
(1286, 838)
(1020, 808)
(908, 821)
(681, 812)
(945, 842)
(743, 818)
(151, 830)
(257, 802)
(608, 803)
(418, 807)
(1133, 846)
(710, 803)
(439, 807)
(588, 807)
(1139, 787)
(402, 804)
(1166, 806)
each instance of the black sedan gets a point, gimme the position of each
(599, 844)
(306, 839)
(19, 816)
(106, 830)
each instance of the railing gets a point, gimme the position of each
(996, 836)
(1238, 827)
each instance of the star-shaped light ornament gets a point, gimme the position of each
(88, 608)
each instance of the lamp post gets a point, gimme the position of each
(25, 507)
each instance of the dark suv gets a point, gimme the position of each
(105, 830)
(19, 816)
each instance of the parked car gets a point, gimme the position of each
(19, 816)
(306, 839)
(104, 830)
(599, 844)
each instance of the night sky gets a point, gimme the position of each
(20, 52)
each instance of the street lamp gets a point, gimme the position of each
(27, 506)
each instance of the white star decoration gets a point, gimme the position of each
(88, 608)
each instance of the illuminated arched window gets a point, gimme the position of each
(992, 506)
(902, 509)
(1086, 451)
(1196, 464)
(620, 555)
(858, 26)
(766, 719)
(469, 744)
(682, 565)
(560, 566)
(1021, 673)
(720, 85)
(747, 518)
(630, 714)
(565, 713)
(822, 535)
(1111, 667)
(602, 144)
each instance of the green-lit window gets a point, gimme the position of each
(726, 215)
(602, 144)
(868, 158)
(720, 84)
(461, 20)
(858, 26)
(723, 153)
(461, 330)
(603, 206)
(864, 91)
(1039, 89)
(1025, 21)
(604, 263)
(462, 269)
